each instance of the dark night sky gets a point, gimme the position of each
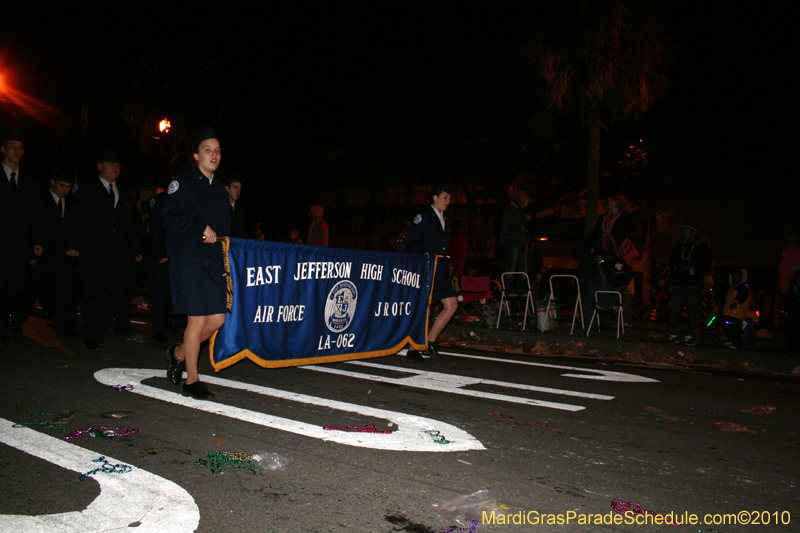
(412, 78)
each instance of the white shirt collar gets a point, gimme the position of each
(55, 196)
(115, 189)
(440, 215)
(8, 172)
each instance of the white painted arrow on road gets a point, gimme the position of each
(138, 496)
(409, 436)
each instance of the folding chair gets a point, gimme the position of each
(474, 293)
(578, 304)
(527, 297)
(620, 314)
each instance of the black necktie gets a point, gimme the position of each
(61, 207)
(111, 194)
(13, 180)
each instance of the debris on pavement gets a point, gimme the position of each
(437, 437)
(107, 468)
(101, 432)
(740, 366)
(760, 409)
(37, 422)
(369, 428)
(729, 426)
(623, 507)
(218, 462)
(116, 414)
(464, 509)
(272, 461)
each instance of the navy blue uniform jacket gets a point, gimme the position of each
(427, 235)
(20, 218)
(191, 204)
(98, 230)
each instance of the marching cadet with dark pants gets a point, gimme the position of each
(196, 210)
(21, 226)
(54, 278)
(101, 233)
(430, 235)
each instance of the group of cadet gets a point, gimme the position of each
(59, 247)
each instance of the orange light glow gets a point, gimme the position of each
(542, 238)
(164, 126)
(28, 104)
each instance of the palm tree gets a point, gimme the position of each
(602, 60)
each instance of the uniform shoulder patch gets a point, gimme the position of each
(418, 218)
(173, 186)
(75, 188)
(153, 202)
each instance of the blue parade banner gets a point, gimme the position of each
(297, 305)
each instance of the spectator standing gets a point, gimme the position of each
(21, 227)
(689, 262)
(101, 233)
(294, 237)
(238, 212)
(610, 231)
(514, 239)
(734, 313)
(318, 229)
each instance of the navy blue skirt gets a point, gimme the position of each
(199, 287)
(442, 282)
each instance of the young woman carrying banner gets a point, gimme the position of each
(430, 235)
(196, 210)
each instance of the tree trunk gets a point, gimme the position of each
(593, 173)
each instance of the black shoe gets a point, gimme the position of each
(68, 333)
(89, 345)
(197, 390)
(175, 370)
(433, 353)
(160, 337)
(414, 355)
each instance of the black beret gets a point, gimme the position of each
(204, 134)
(13, 136)
(109, 156)
(62, 175)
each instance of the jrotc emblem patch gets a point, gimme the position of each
(340, 306)
(418, 218)
(173, 186)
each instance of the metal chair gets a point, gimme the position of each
(527, 297)
(620, 314)
(578, 304)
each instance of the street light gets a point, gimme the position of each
(164, 126)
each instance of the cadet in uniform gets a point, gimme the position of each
(162, 317)
(196, 210)
(54, 278)
(101, 233)
(430, 235)
(21, 226)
